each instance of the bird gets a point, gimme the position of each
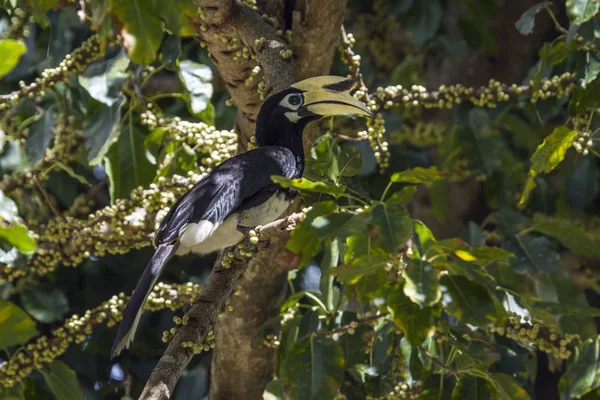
(239, 194)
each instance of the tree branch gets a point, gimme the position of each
(202, 316)
(237, 38)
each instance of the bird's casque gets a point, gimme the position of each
(239, 192)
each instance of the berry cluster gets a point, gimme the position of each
(545, 339)
(77, 328)
(90, 51)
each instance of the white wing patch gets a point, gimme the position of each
(205, 237)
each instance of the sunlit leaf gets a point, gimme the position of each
(103, 80)
(142, 32)
(547, 156)
(311, 186)
(421, 284)
(11, 51)
(39, 8)
(341, 223)
(415, 322)
(12, 231)
(580, 11)
(16, 327)
(197, 80)
(419, 175)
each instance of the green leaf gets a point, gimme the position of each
(490, 148)
(532, 254)
(395, 223)
(341, 224)
(471, 271)
(580, 11)
(62, 381)
(11, 51)
(582, 373)
(302, 239)
(310, 186)
(103, 80)
(16, 234)
(16, 327)
(16, 392)
(421, 284)
(304, 242)
(468, 301)
(361, 266)
(573, 310)
(181, 160)
(40, 7)
(274, 390)
(170, 50)
(569, 235)
(472, 388)
(425, 21)
(415, 322)
(176, 15)
(349, 161)
(197, 80)
(592, 67)
(126, 164)
(583, 184)
(404, 196)
(547, 156)
(313, 369)
(45, 303)
(40, 136)
(508, 388)
(423, 237)
(419, 175)
(526, 23)
(142, 32)
(100, 130)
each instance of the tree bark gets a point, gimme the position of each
(242, 365)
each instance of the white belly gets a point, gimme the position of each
(205, 237)
(265, 213)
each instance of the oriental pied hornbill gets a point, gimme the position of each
(239, 192)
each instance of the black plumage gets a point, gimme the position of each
(236, 184)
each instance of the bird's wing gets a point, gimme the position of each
(227, 188)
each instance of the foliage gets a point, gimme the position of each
(105, 122)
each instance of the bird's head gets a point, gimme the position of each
(284, 115)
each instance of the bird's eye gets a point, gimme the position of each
(292, 101)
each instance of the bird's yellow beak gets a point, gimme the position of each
(330, 95)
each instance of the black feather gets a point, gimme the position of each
(136, 303)
(243, 178)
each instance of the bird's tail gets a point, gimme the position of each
(135, 307)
